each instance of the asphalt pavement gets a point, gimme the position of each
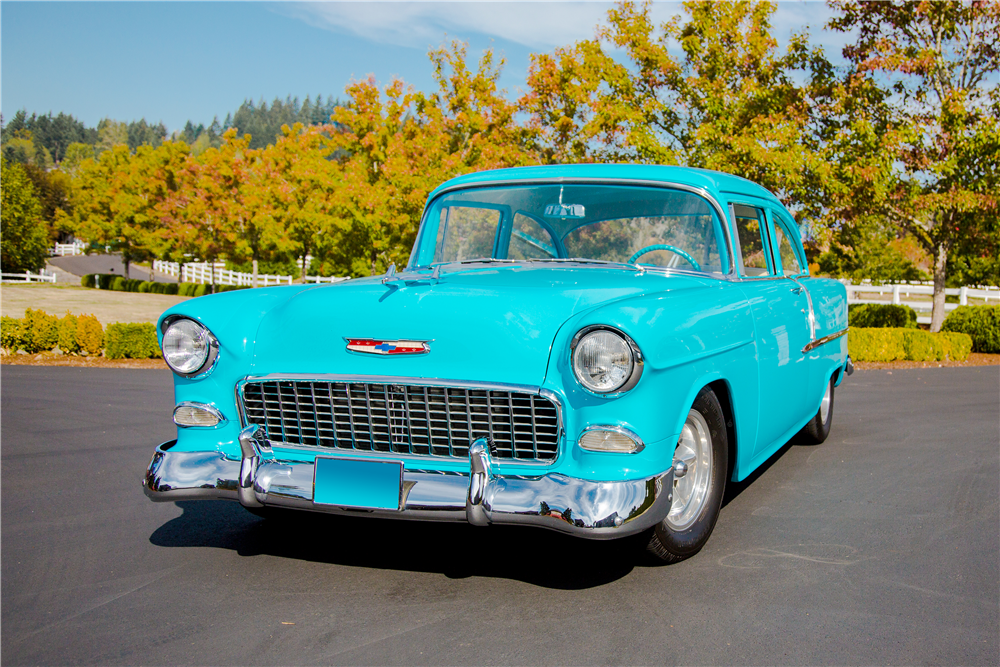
(81, 265)
(881, 546)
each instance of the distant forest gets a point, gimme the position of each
(44, 139)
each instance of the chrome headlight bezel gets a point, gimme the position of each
(637, 360)
(212, 356)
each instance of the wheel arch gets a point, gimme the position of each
(723, 391)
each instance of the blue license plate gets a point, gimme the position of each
(357, 483)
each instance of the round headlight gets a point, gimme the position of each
(603, 361)
(187, 346)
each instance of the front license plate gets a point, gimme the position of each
(372, 485)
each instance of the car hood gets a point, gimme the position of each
(491, 324)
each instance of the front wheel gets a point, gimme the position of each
(700, 466)
(818, 428)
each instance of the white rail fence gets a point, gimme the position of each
(201, 272)
(63, 249)
(28, 277)
(866, 293)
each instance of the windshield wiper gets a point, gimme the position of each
(584, 260)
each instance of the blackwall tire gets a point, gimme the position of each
(818, 428)
(697, 496)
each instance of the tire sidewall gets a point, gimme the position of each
(690, 540)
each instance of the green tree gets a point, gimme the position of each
(927, 73)
(23, 238)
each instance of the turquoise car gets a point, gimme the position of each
(593, 349)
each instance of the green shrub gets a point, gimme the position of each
(131, 341)
(957, 345)
(12, 333)
(89, 334)
(118, 284)
(202, 290)
(982, 323)
(881, 316)
(42, 331)
(229, 288)
(68, 325)
(89, 280)
(899, 344)
(104, 280)
(169, 288)
(145, 286)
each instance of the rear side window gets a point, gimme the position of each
(750, 229)
(789, 261)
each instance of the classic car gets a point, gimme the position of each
(593, 349)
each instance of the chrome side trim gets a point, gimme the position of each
(667, 185)
(211, 409)
(632, 435)
(825, 339)
(637, 358)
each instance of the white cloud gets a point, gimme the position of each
(540, 26)
(537, 25)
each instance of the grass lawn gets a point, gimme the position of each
(106, 305)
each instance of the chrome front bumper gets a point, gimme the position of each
(590, 509)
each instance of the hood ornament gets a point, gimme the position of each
(378, 346)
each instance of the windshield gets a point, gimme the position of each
(652, 227)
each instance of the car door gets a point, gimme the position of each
(781, 320)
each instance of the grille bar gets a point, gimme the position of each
(417, 420)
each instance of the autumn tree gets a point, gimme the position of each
(930, 70)
(731, 102)
(400, 144)
(23, 238)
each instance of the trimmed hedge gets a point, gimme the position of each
(120, 284)
(982, 323)
(131, 341)
(881, 316)
(901, 344)
(40, 332)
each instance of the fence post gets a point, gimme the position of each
(963, 296)
(895, 294)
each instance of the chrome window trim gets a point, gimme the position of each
(765, 239)
(640, 445)
(211, 409)
(666, 185)
(825, 339)
(638, 361)
(413, 381)
(211, 361)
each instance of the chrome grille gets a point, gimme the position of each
(403, 419)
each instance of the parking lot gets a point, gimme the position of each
(880, 546)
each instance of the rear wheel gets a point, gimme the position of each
(818, 428)
(700, 465)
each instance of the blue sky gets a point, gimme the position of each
(175, 61)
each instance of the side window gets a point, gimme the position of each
(789, 261)
(529, 240)
(750, 228)
(465, 232)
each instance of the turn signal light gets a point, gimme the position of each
(611, 440)
(197, 414)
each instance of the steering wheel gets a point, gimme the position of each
(664, 246)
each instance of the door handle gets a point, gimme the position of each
(797, 289)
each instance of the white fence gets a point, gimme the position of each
(864, 292)
(29, 277)
(63, 249)
(323, 279)
(201, 272)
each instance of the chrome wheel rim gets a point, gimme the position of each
(824, 407)
(694, 449)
